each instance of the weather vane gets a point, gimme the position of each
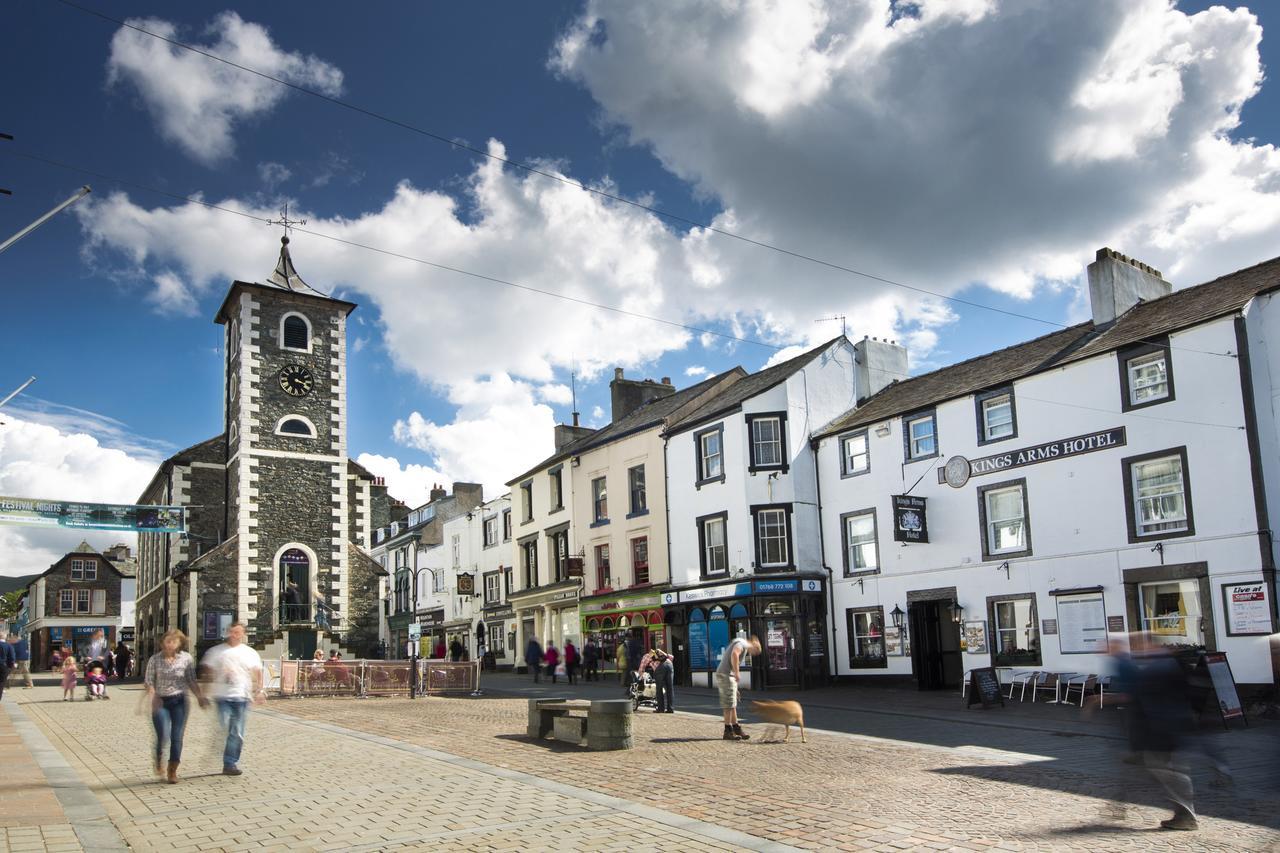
(284, 220)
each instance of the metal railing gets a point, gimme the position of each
(362, 678)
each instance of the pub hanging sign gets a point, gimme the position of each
(909, 521)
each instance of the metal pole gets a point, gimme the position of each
(81, 193)
(413, 652)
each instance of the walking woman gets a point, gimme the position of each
(171, 672)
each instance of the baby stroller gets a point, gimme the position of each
(95, 681)
(643, 691)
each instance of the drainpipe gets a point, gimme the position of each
(833, 668)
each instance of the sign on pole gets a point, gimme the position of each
(35, 512)
(415, 631)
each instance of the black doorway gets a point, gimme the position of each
(935, 645)
(302, 644)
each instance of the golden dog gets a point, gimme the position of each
(784, 712)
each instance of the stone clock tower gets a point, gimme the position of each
(288, 495)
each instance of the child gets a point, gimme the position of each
(95, 675)
(69, 672)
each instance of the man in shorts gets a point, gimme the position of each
(727, 683)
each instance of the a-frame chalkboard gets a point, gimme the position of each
(1224, 687)
(984, 687)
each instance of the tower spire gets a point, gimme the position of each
(286, 275)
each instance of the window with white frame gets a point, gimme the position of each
(997, 416)
(456, 548)
(635, 483)
(710, 444)
(437, 581)
(526, 500)
(529, 562)
(860, 551)
(77, 570)
(99, 601)
(1004, 512)
(506, 525)
(921, 436)
(556, 481)
(491, 531)
(1015, 631)
(600, 499)
(1148, 377)
(603, 578)
(497, 639)
(767, 441)
(773, 549)
(82, 600)
(91, 570)
(1160, 503)
(855, 456)
(712, 546)
(493, 588)
(1172, 613)
(640, 560)
(66, 600)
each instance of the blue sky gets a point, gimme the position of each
(967, 147)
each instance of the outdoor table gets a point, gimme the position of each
(1057, 687)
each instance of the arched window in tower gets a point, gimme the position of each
(295, 333)
(298, 426)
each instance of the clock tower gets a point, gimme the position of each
(287, 507)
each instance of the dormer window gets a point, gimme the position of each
(295, 333)
(296, 426)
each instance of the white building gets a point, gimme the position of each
(744, 536)
(1107, 477)
(495, 576)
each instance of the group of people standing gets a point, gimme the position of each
(555, 663)
(233, 676)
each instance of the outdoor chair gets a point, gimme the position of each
(964, 683)
(1045, 681)
(1104, 684)
(1019, 681)
(1085, 684)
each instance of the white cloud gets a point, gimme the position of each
(171, 295)
(695, 370)
(196, 101)
(42, 461)
(273, 174)
(499, 430)
(410, 483)
(555, 392)
(970, 142)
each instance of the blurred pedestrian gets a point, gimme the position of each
(620, 661)
(97, 646)
(1154, 690)
(8, 663)
(552, 658)
(591, 661)
(70, 673)
(235, 670)
(570, 660)
(456, 650)
(171, 672)
(124, 657)
(533, 658)
(439, 652)
(292, 601)
(22, 658)
(665, 673)
(727, 683)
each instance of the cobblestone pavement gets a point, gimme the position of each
(311, 787)
(458, 774)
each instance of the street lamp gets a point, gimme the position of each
(415, 572)
(896, 615)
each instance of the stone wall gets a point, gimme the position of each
(361, 625)
(60, 579)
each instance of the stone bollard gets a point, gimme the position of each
(609, 724)
(540, 721)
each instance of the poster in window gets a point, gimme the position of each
(1247, 608)
(893, 642)
(973, 637)
(1082, 624)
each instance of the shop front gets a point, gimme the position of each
(549, 613)
(61, 638)
(788, 614)
(460, 630)
(499, 632)
(615, 618)
(432, 622)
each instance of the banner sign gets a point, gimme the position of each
(777, 586)
(1247, 608)
(958, 470)
(909, 521)
(41, 513)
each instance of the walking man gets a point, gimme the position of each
(236, 672)
(7, 663)
(533, 658)
(22, 656)
(727, 684)
(665, 674)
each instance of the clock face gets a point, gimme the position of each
(296, 380)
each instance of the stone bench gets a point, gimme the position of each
(605, 724)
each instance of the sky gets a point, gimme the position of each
(749, 159)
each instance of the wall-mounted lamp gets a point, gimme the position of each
(882, 429)
(896, 615)
(1159, 549)
(1005, 568)
(957, 612)
(860, 586)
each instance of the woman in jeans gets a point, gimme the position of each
(171, 672)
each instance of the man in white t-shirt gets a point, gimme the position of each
(235, 674)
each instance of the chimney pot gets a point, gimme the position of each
(666, 380)
(617, 373)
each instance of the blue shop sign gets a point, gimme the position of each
(777, 586)
(88, 630)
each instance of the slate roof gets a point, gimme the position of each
(650, 414)
(1145, 321)
(744, 389)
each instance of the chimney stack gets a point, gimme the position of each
(627, 395)
(438, 492)
(1117, 283)
(879, 364)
